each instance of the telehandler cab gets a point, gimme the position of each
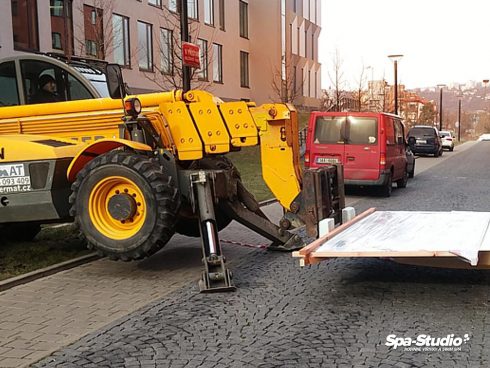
(131, 181)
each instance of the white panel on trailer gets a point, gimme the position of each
(412, 234)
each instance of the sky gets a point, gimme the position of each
(443, 41)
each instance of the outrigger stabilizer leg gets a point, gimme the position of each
(216, 276)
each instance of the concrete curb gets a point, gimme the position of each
(43, 272)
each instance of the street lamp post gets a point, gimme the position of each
(395, 59)
(485, 82)
(441, 86)
(460, 96)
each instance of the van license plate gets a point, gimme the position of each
(421, 141)
(326, 160)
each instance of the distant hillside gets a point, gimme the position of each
(473, 98)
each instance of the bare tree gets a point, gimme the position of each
(169, 72)
(95, 37)
(336, 75)
(359, 92)
(285, 81)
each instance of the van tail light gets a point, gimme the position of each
(307, 158)
(382, 159)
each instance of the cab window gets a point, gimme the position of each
(44, 83)
(9, 94)
(76, 90)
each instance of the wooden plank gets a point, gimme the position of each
(318, 242)
(385, 254)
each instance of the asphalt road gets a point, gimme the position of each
(335, 314)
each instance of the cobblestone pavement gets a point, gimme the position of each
(335, 314)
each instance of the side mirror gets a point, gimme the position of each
(115, 82)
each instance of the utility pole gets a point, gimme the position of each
(441, 86)
(459, 119)
(184, 37)
(395, 59)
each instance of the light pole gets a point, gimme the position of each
(485, 82)
(441, 86)
(395, 59)
(460, 96)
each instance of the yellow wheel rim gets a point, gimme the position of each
(98, 206)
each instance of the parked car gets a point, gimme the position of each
(425, 139)
(484, 137)
(447, 139)
(371, 146)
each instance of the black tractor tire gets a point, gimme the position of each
(20, 231)
(188, 223)
(402, 183)
(386, 189)
(152, 221)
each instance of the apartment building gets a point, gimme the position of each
(250, 49)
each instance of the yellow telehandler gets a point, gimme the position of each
(133, 170)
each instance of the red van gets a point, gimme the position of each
(371, 146)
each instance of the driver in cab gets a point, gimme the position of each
(46, 91)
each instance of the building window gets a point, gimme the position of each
(56, 8)
(244, 72)
(166, 48)
(313, 47)
(202, 74)
(61, 26)
(91, 48)
(243, 19)
(309, 83)
(294, 6)
(56, 41)
(192, 9)
(209, 12)
(217, 63)
(25, 25)
(306, 43)
(120, 25)
(145, 43)
(295, 84)
(222, 14)
(94, 31)
(157, 3)
(297, 41)
(172, 5)
(302, 81)
(316, 84)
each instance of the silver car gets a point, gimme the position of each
(447, 138)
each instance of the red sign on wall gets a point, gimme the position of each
(190, 55)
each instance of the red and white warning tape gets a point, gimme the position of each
(259, 246)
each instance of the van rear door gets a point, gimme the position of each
(362, 148)
(327, 143)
